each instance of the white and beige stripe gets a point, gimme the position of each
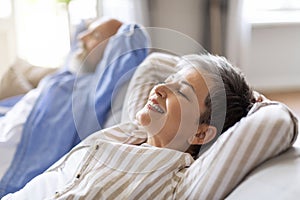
(119, 171)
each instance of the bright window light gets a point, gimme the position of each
(5, 8)
(272, 11)
(42, 28)
(260, 5)
(82, 9)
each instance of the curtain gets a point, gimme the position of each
(227, 32)
(238, 33)
(215, 26)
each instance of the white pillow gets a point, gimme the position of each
(268, 129)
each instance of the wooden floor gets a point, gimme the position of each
(292, 100)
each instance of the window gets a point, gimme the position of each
(42, 28)
(272, 11)
(82, 9)
(5, 8)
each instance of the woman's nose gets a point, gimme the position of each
(161, 90)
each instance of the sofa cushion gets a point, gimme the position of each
(278, 178)
(21, 77)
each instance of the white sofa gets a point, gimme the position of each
(277, 178)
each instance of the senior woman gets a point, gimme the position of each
(189, 109)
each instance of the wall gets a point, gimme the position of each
(186, 17)
(273, 59)
(7, 41)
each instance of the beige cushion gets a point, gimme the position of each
(20, 78)
(268, 130)
(13, 83)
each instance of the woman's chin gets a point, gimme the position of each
(143, 118)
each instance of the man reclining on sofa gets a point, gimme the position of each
(71, 104)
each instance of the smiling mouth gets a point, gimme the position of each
(155, 107)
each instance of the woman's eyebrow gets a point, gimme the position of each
(188, 84)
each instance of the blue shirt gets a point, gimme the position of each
(72, 107)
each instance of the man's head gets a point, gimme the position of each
(191, 107)
(93, 41)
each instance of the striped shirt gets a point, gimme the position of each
(99, 168)
(119, 171)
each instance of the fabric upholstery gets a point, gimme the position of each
(278, 178)
(21, 77)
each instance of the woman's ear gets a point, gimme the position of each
(204, 135)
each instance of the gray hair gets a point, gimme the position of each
(230, 97)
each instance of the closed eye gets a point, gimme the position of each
(160, 82)
(183, 95)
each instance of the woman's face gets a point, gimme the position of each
(171, 115)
